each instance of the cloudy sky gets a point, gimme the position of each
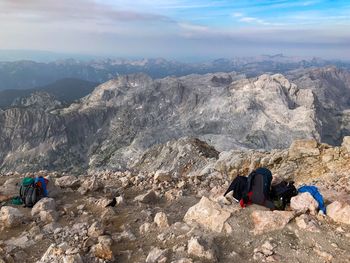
(178, 29)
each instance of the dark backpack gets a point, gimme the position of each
(266, 180)
(258, 188)
(238, 186)
(282, 193)
(29, 192)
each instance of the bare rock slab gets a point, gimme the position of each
(148, 198)
(208, 214)
(10, 217)
(202, 248)
(266, 221)
(339, 212)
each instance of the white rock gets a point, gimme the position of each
(303, 148)
(145, 228)
(183, 260)
(10, 216)
(45, 208)
(89, 185)
(95, 230)
(44, 204)
(339, 212)
(67, 182)
(148, 198)
(306, 223)
(161, 220)
(208, 214)
(202, 249)
(346, 143)
(162, 176)
(266, 221)
(103, 249)
(303, 203)
(156, 255)
(22, 242)
(72, 259)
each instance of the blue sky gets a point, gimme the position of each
(178, 29)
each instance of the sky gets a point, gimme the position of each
(178, 29)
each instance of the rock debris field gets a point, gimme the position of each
(171, 209)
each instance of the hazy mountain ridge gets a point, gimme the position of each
(30, 74)
(125, 116)
(65, 90)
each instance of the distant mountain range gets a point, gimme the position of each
(30, 74)
(122, 118)
(64, 90)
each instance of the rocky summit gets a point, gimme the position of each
(169, 207)
(137, 170)
(112, 127)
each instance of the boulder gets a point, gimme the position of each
(162, 176)
(23, 241)
(45, 208)
(145, 228)
(208, 214)
(89, 185)
(103, 249)
(10, 216)
(10, 187)
(95, 230)
(339, 212)
(266, 221)
(303, 148)
(305, 222)
(161, 220)
(303, 203)
(157, 255)
(201, 248)
(61, 253)
(147, 198)
(67, 182)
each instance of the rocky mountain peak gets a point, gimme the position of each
(126, 116)
(38, 99)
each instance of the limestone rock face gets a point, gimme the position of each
(346, 143)
(10, 216)
(266, 221)
(268, 112)
(303, 148)
(339, 212)
(304, 202)
(208, 214)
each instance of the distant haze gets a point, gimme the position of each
(175, 29)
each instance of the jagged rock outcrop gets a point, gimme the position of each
(120, 119)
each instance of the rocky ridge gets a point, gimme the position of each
(166, 216)
(122, 118)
